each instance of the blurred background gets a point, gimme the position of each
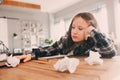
(26, 24)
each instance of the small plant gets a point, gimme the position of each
(48, 41)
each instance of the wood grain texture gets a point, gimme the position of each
(35, 70)
(20, 4)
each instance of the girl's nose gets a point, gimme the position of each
(75, 31)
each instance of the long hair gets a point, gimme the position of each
(88, 17)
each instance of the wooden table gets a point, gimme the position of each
(35, 70)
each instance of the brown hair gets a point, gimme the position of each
(87, 17)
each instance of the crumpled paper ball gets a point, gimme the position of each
(12, 61)
(94, 58)
(66, 64)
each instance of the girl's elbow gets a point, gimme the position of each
(108, 55)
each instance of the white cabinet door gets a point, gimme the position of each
(4, 31)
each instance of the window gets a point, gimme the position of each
(117, 18)
(100, 14)
(67, 23)
(58, 30)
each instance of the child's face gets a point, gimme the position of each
(78, 29)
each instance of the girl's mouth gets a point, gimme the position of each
(74, 36)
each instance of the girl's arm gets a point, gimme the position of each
(102, 44)
(55, 49)
(52, 50)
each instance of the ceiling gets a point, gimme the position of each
(51, 6)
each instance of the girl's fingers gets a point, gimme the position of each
(87, 31)
(86, 34)
(28, 57)
(21, 57)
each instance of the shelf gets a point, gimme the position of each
(20, 4)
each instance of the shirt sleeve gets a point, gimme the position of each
(103, 44)
(52, 50)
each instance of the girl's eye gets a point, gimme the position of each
(80, 28)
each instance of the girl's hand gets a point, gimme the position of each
(87, 32)
(25, 58)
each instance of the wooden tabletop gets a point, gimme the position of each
(36, 70)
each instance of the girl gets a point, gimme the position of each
(81, 37)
